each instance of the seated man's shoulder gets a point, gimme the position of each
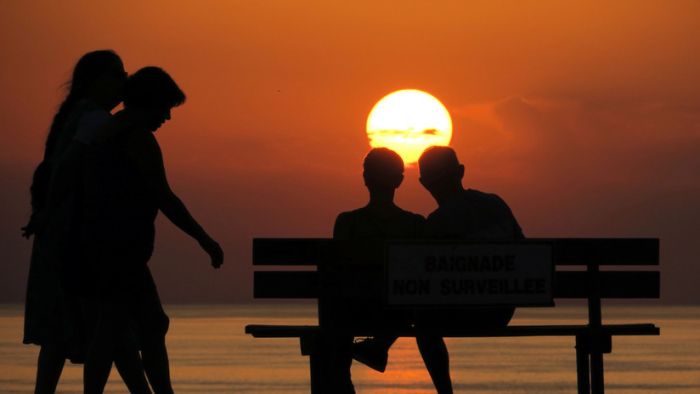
(485, 199)
(482, 196)
(441, 220)
(412, 215)
(344, 224)
(347, 215)
(474, 214)
(418, 217)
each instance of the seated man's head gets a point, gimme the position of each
(439, 168)
(383, 169)
(152, 93)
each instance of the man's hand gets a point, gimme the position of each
(214, 250)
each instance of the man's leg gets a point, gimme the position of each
(112, 322)
(340, 362)
(437, 362)
(130, 368)
(154, 325)
(374, 352)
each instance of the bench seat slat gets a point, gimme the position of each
(275, 331)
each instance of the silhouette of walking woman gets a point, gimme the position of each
(53, 309)
(125, 188)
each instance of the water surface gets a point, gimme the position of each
(210, 353)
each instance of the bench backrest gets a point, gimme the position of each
(578, 263)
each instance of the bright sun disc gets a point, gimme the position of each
(407, 122)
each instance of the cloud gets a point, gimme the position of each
(593, 168)
(599, 142)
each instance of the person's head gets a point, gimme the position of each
(440, 169)
(383, 169)
(152, 93)
(98, 76)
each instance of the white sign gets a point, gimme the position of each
(469, 274)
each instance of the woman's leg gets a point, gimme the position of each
(52, 358)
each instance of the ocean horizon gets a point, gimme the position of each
(210, 353)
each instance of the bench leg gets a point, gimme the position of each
(582, 368)
(326, 367)
(597, 381)
(314, 347)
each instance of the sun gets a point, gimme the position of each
(407, 122)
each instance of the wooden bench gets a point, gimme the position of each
(357, 269)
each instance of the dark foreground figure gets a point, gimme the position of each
(56, 316)
(461, 214)
(125, 188)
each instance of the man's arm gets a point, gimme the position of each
(145, 151)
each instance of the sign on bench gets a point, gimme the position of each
(431, 274)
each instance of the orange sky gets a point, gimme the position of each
(584, 117)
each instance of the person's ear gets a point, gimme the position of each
(460, 172)
(399, 180)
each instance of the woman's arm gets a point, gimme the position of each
(145, 151)
(65, 178)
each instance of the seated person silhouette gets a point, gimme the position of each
(464, 214)
(379, 219)
(461, 214)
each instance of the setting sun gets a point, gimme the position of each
(408, 121)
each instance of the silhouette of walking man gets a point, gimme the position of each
(125, 188)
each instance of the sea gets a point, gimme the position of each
(210, 353)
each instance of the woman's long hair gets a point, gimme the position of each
(88, 68)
